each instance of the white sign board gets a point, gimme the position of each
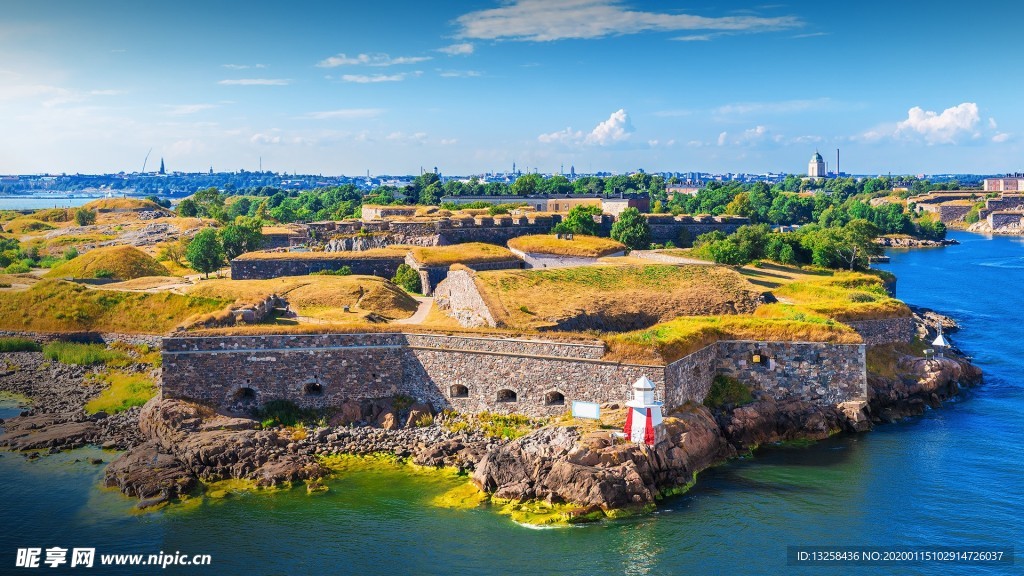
(586, 410)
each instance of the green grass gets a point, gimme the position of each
(284, 413)
(510, 426)
(80, 354)
(124, 390)
(18, 345)
(57, 306)
(726, 391)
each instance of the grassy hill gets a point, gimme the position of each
(580, 246)
(613, 298)
(58, 306)
(121, 262)
(322, 297)
(469, 253)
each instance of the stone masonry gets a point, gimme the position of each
(473, 374)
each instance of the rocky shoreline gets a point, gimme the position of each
(174, 448)
(910, 242)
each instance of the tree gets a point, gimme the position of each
(187, 208)
(244, 236)
(408, 278)
(580, 220)
(526, 184)
(205, 253)
(85, 217)
(632, 229)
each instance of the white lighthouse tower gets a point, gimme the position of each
(643, 420)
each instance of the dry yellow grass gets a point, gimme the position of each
(17, 281)
(582, 246)
(121, 204)
(121, 262)
(280, 230)
(57, 306)
(321, 297)
(469, 253)
(26, 225)
(843, 296)
(625, 296)
(374, 253)
(144, 283)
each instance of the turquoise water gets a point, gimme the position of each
(39, 203)
(951, 477)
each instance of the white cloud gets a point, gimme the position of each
(265, 139)
(460, 49)
(543, 20)
(722, 138)
(186, 109)
(373, 79)
(617, 128)
(695, 37)
(567, 136)
(1000, 137)
(256, 82)
(378, 59)
(458, 73)
(940, 128)
(782, 107)
(404, 138)
(344, 114)
(242, 66)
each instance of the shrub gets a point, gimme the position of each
(726, 391)
(71, 253)
(283, 413)
(103, 273)
(80, 354)
(424, 420)
(18, 345)
(85, 217)
(408, 278)
(343, 271)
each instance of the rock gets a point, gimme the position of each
(147, 473)
(387, 420)
(350, 413)
(60, 431)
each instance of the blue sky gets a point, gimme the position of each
(470, 87)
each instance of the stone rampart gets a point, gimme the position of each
(460, 298)
(1005, 219)
(265, 268)
(807, 371)
(885, 330)
(666, 228)
(487, 373)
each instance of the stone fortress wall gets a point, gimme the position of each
(473, 374)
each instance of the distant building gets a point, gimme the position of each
(1013, 183)
(816, 167)
(615, 206)
(674, 191)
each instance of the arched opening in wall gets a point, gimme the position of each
(312, 388)
(244, 394)
(696, 371)
(507, 395)
(459, 391)
(554, 398)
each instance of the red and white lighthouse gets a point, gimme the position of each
(643, 418)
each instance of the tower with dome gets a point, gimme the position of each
(816, 167)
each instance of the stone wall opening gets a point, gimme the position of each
(459, 391)
(312, 388)
(244, 394)
(507, 395)
(554, 398)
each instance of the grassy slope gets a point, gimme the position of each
(124, 262)
(661, 291)
(469, 253)
(582, 246)
(319, 296)
(811, 308)
(57, 306)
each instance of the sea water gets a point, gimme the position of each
(952, 477)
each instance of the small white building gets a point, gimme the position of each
(816, 167)
(644, 423)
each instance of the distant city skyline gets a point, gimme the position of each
(471, 87)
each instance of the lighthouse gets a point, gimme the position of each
(643, 418)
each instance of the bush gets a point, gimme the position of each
(726, 391)
(103, 273)
(85, 217)
(80, 354)
(18, 345)
(343, 271)
(408, 278)
(632, 229)
(283, 413)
